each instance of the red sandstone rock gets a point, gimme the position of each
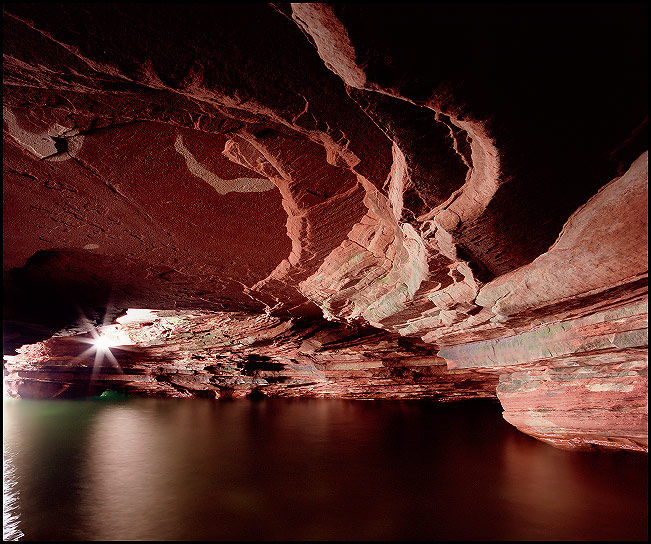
(254, 171)
(198, 354)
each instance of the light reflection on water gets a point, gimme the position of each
(149, 469)
(10, 506)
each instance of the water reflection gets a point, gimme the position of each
(10, 493)
(128, 464)
(147, 469)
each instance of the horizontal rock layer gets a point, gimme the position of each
(224, 355)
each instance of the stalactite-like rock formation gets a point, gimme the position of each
(339, 200)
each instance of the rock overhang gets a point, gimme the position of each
(476, 183)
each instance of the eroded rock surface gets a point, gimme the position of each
(228, 355)
(367, 201)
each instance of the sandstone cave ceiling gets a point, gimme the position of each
(392, 181)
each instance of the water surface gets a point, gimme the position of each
(161, 469)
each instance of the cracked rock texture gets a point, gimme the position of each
(406, 201)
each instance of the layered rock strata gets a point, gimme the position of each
(463, 212)
(187, 354)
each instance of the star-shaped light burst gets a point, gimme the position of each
(102, 340)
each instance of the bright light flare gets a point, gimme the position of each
(110, 339)
(107, 337)
(101, 341)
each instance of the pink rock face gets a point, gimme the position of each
(602, 406)
(577, 384)
(226, 355)
(597, 250)
(332, 200)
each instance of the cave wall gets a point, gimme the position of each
(457, 195)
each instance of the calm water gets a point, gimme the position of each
(148, 469)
